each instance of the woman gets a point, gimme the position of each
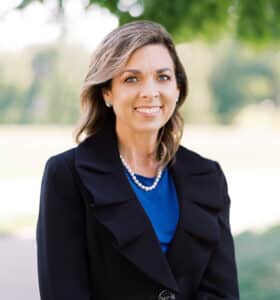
(128, 213)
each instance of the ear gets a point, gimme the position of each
(107, 95)
(178, 93)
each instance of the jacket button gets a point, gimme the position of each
(166, 295)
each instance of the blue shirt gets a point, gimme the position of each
(160, 204)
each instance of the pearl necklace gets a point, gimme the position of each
(137, 182)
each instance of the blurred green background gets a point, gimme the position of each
(230, 50)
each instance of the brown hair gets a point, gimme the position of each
(107, 61)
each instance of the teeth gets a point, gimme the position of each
(148, 110)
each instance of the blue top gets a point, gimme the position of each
(160, 204)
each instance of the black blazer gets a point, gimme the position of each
(95, 241)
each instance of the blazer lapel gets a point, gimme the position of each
(201, 199)
(117, 208)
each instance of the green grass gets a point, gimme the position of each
(258, 259)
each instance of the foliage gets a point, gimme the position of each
(13, 89)
(239, 79)
(256, 22)
(42, 84)
(51, 93)
(11, 103)
(258, 259)
(63, 87)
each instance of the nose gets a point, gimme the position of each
(149, 89)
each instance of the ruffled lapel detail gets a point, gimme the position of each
(115, 206)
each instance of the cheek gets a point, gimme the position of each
(170, 102)
(170, 92)
(123, 96)
(122, 107)
(171, 99)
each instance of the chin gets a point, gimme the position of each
(148, 128)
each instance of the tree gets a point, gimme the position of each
(256, 22)
(238, 80)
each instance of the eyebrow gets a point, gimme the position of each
(135, 71)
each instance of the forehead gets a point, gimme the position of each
(150, 56)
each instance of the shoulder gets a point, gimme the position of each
(62, 160)
(195, 161)
(59, 175)
(60, 186)
(205, 172)
(197, 164)
(61, 166)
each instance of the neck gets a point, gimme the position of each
(139, 151)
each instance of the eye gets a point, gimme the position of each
(131, 79)
(164, 77)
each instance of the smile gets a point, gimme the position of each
(148, 110)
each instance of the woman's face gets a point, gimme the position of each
(144, 94)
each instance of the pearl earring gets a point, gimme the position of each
(177, 99)
(108, 104)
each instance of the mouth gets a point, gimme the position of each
(148, 110)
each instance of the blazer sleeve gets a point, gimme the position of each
(61, 246)
(220, 280)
